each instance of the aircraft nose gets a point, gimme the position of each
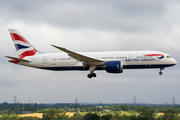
(174, 62)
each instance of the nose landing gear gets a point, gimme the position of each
(160, 73)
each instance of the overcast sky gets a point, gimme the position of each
(91, 25)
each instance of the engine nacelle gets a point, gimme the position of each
(114, 66)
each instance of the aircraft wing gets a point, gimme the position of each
(19, 59)
(81, 57)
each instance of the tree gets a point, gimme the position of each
(76, 116)
(67, 109)
(91, 116)
(107, 117)
(53, 114)
(146, 114)
(118, 117)
(170, 114)
(29, 118)
(8, 117)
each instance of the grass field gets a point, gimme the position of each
(39, 115)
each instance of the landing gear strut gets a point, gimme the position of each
(160, 73)
(92, 74)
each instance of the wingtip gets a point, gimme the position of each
(56, 46)
(52, 45)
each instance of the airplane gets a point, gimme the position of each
(111, 61)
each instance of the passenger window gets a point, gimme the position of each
(168, 56)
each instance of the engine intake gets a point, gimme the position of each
(114, 66)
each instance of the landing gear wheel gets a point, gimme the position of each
(89, 75)
(94, 74)
(160, 73)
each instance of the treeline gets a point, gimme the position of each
(59, 114)
(6, 108)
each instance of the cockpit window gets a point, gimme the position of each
(168, 56)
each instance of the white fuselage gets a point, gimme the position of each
(130, 60)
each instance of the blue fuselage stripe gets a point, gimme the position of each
(98, 68)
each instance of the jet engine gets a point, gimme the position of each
(114, 66)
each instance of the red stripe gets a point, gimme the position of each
(154, 55)
(28, 53)
(15, 61)
(18, 37)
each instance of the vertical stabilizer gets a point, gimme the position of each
(23, 47)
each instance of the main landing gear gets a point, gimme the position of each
(91, 75)
(160, 73)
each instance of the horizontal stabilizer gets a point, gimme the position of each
(18, 59)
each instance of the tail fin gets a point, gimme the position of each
(23, 47)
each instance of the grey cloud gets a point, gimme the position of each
(114, 15)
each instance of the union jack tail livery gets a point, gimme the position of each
(23, 47)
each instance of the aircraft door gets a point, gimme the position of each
(45, 60)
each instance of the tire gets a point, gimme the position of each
(94, 74)
(89, 75)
